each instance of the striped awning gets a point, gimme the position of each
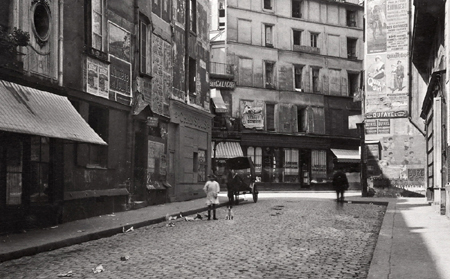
(346, 155)
(27, 110)
(217, 99)
(227, 150)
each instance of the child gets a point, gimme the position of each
(212, 189)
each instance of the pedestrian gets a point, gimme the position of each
(230, 187)
(212, 189)
(340, 183)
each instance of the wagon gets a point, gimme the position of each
(240, 179)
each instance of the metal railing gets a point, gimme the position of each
(221, 69)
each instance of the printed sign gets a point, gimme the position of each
(97, 78)
(222, 84)
(252, 114)
(120, 76)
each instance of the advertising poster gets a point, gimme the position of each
(162, 75)
(252, 113)
(120, 76)
(119, 42)
(97, 79)
(376, 26)
(387, 68)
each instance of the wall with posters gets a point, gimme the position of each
(400, 154)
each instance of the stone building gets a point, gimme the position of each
(104, 109)
(430, 54)
(287, 79)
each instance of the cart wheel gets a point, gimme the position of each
(255, 193)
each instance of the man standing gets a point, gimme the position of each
(340, 184)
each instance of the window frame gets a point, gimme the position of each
(299, 12)
(299, 33)
(269, 81)
(350, 16)
(193, 16)
(315, 79)
(265, 8)
(296, 73)
(314, 39)
(91, 29)
(268, 43)
(353, 81)
(272, 127)
(302, 123)
(353, 45)
(144, 47)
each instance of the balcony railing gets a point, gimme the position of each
(307, 49)
(222, 69)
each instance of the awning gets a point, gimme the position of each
(219, 104)
(346, 155)
(27, 110)
(227, 150)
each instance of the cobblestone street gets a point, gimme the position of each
(274, 238)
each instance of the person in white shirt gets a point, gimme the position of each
(212, 189)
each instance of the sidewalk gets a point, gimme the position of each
(414, 240)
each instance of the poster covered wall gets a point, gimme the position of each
(252, 113)
(387, 56)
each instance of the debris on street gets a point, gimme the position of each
(98, 269)
(129, 230)
(170, 224)
(68, 274)
(125, 258)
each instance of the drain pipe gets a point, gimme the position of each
(60, 43)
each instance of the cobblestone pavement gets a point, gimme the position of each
(274, 238)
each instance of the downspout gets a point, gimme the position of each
(60, 43)
(186, 50)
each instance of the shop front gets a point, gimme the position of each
(34, 127)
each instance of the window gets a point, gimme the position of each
(269, 74)
(41, 20)
(314, 39)
(14, 168)
(351, 18)
(351, 48)
(296, 8)
(297, 37)
(99, 121)
(221, 9)
(268, 35)
(192, 76)
(143, 47)
(318, 165)
(268, 4)
(270, 117)
(291, 166)
(298, 77)
(98, 25)
(256, 154)
(193, 15)
(315, 80)
(302, 119)
(352, 84)
(39, 164)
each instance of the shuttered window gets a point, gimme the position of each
(270, 117)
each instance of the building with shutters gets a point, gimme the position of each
(105, 108)
(295, 67)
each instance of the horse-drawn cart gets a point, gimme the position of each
(240, 179)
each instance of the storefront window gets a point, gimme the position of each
(14, 173)
(39, 163)
(290, 168)
(318, 165)
(256, 154)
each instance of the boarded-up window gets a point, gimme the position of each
(334, 82)
(333, 45)
(245, 71)
(244, 31)
(270, 117)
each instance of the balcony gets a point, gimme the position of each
(221, 70)
(306, 49)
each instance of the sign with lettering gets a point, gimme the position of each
(120, 76)
(252, 114)
(222, 84)
(152, 121)
(97, 78)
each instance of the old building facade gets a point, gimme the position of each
(430, 60)
(113, 108)
(297, 68)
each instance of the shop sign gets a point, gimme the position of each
(152, 121)
(224, 84)
(120, 76)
